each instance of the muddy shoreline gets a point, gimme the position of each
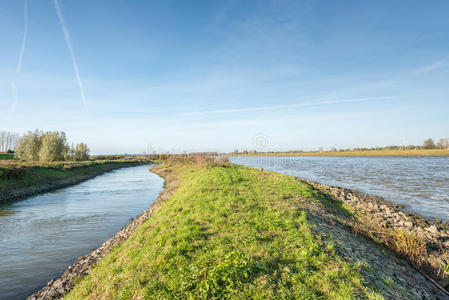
(59, 287)
(26, 192)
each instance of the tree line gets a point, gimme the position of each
(443, 143)
(49, 146)
(429, 143)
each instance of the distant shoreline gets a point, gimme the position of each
(374, 153)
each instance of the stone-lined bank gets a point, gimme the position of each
(370, 209)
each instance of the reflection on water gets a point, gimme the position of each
(6, 213)
(41, 236)
(421, 184)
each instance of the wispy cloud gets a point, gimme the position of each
(19, 63)
(287, 106)
(72, 54)
(433, 67)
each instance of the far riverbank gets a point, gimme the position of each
(22, 180)
(392, 153)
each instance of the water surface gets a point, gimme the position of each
(41, 236)
(421, 184)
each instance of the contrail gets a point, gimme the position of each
(286, 106)
(24, 40)
(72, 54)
(19, 63)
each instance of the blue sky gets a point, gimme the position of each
(215, 75)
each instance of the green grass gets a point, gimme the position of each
(445, 268)
(6, 156)
(36, 176)
(419, 152)
(227, 232)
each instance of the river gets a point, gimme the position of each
(421, 184)
(42, 235)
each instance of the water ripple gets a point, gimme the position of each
(418, 183)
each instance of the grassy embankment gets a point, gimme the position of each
(17, 175)
(419, 152)
(227, 232)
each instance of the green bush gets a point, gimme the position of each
(28, 146)
(53, 146)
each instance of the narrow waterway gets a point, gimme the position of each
(42, 235)
(421, 184)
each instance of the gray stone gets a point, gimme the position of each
(432, 229)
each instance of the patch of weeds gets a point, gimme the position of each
(406, 244)
(226, 278)
(362, 265)
(388, 281)
(327, 200)
(445, 268)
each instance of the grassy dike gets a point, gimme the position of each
(230, 231)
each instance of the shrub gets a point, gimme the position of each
(53, 146)
(28, 146)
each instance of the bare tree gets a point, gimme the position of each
(8, 140)
(70, 153)
(81, 152)
(443, 143)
